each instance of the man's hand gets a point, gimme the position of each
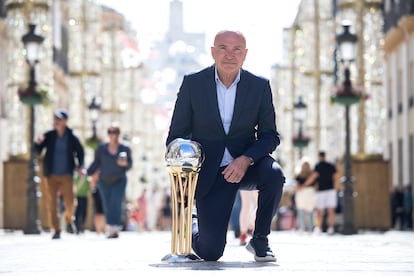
(122, 162)
(81, 172)
(236, 170)
(40, 139)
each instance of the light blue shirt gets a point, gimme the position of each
(225, 98)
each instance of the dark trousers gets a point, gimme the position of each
(81, 212)
(235, 216)
(214, 209)
(112, 196)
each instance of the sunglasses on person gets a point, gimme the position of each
(113, 132)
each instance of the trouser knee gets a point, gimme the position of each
(278, 174)
(211, 254)
(210, 251)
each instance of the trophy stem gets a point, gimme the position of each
(174, 215)
(183, 186)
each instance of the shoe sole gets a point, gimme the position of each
(250, 248)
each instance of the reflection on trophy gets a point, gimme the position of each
(184, 159)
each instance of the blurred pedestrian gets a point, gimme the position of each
(154, 205)
(326, 175)
(112, 160)
(305, 198)
(98, 213)
(247, 214)
(397, 208)
(408, 208)
(235, 216)
(142, 211)
(64, 154)
(166, 212)
(82, 187)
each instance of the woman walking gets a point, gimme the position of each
(305, 198)
(112, 160)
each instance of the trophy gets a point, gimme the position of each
(184, 159)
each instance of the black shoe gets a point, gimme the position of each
(71, 228)
(79, 230)
(259, 247)
(56, 235)
(114, 235)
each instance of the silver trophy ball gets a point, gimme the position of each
(184, 153)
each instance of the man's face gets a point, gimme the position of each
(59, 123)
(229, 52)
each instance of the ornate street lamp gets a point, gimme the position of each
(300, 141)
(347, 95)
(32, 44)
(94, 109)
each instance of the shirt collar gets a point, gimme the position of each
(216, 77)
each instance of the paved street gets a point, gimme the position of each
(369, 253)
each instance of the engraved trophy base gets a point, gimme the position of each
(178, 258)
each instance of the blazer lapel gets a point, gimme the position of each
(211, 97)
(241, 96)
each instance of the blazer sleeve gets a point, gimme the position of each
(267, 136)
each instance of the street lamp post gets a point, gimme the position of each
(300, 141)
(94, 108)
(346, 46)
(32, 43)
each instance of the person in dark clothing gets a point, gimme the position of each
(230, 112)
(165, 212)
(325, 174)
(64, 154)
(397, 208)
(82, 187)
(99, 216)
(408, 208)
(235, 216)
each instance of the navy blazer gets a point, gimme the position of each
(196, 116)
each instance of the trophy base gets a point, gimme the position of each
(175, 258)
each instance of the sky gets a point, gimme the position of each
(261, 21)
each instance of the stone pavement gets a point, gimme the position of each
(368, 253)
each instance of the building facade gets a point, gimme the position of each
(312, 71)
(399, 86)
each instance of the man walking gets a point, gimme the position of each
(63, 149)
(325, 174)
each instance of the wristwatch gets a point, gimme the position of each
(251, 160)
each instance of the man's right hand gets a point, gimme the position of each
(40, 139)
